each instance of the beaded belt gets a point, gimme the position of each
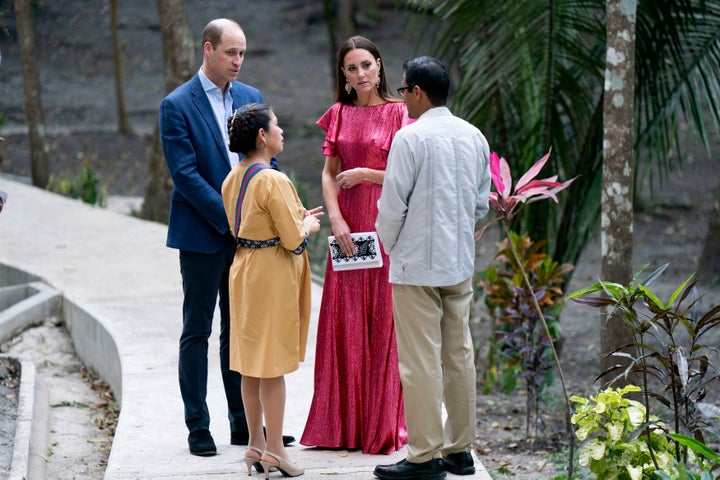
(244, 242)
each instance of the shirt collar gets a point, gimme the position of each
(208, 84)
(436, 112)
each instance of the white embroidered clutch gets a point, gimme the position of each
(367, 252)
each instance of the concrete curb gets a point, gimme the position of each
(31, 433)
(94, 344)
(25, 305)
(25, 301)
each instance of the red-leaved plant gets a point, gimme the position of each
(507, 201)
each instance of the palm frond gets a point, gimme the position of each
(531, 76)
(678, 77)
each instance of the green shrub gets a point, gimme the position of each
(84, 186)
(317, 247)
(670, 353)
(519, 347)
(674, 362)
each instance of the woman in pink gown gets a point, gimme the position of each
(357, 402)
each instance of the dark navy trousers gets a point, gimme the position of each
(205, 279)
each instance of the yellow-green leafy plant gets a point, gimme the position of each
(618, 438)
(624, 442)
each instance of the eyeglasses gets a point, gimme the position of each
(401, 91)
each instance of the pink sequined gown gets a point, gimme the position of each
(357, 402)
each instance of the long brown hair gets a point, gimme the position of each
(351, 44)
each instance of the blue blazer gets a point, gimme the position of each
(198, 162)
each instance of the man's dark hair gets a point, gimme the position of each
(430, 75)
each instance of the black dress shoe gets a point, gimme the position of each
(242, 438)
(404, 470)
(460, 463)
(201, 443)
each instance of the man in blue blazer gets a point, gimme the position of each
(193, 131)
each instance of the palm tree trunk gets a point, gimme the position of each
(709, 267)
(31, 87)
(123, 122)
(618, 165)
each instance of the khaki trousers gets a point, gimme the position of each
(437, 365)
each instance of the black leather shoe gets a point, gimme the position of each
(404, 470)
(242, 438)
(288, 439)
(460, 463)
(201, 443)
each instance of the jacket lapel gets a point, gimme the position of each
(202, 103)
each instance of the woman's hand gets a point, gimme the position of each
(311, 220)
(342, 234)
(350, 178)
(314, 211)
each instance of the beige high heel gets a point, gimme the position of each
(251, 461)
(285, 467)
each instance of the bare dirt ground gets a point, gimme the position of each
(288, 58)
(82, 411)
(9, 385)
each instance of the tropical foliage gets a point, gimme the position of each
(671, 355)
(519, 349)
(532, 78)
(508, 199)
(85, 185)
(504, 290)
(609, 424)
(623, 441)
(506, 202)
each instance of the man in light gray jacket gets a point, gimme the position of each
(435, 190)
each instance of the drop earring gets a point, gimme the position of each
(348, 87)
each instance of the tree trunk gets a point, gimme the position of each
(709, 268)
(345, 20)
(340, 21)
(618, 165)
(329, 11)
(123, 122)
(31, 87)
(2, 140)
(179, 66)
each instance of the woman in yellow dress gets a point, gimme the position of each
(269, 281)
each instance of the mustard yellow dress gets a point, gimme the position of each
(270, 276)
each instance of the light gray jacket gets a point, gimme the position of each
(435, 190)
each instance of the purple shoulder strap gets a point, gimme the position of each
(249, 174)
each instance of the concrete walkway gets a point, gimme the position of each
(121, 301)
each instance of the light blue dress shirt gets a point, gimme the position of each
(222, 108)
